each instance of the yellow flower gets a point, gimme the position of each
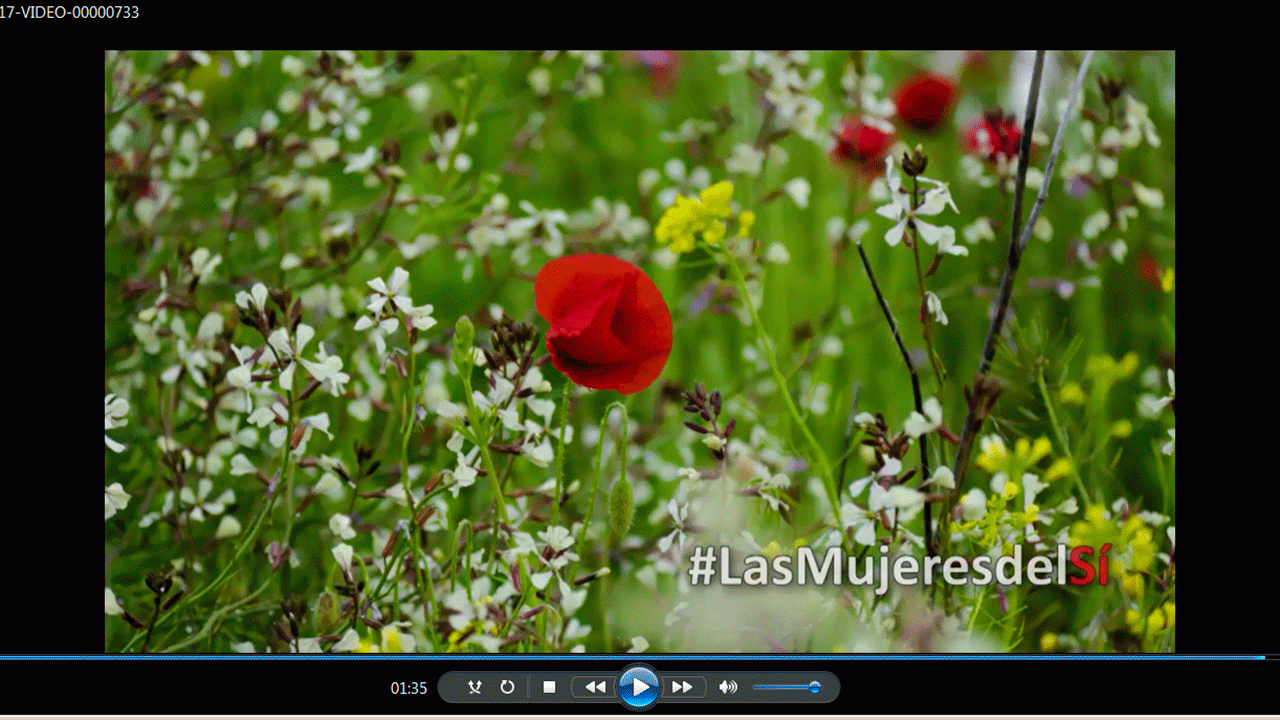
(1100, 366)
(677, 225)
(1030, 453)
(1128, 364)
(1133, 619)
(1096, 514)
(1132, 584)
(713, 232)
(1131, 546)
(1010, 489)
(1105, 369)
(745, 220)
(1060, 468)
(1048, 642)
(687, 217)
(1138, 536)
(391, 640)
(1122, 429)
(1155, 621)
(716, 199)
(1166, 280)
(994, 455)
(1071, 394)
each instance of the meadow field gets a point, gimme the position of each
(502, 352)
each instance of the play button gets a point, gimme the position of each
(638, 687)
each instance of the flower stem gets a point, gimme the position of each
(927, 319)
(1061, 435)
(499, 523)
(595, 484)
(1016, 244)
(564, 420)
(915, 391)
(286, 469)
(828, 479)
(421, 574)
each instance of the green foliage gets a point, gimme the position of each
(365, 453)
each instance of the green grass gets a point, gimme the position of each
(587, 148)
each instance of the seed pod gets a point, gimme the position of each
(296, 439)
(328, 613)
(464, 334)
(306, 501)
(391, 542)
(621, 506)
(426, 512)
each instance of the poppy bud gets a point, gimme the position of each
(464, 334)
(859, 143)
(993, 135)
(923, 101)
(621, 506)
(661, 65)
(328, 612)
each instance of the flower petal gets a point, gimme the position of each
(610, 327)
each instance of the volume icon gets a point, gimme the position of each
(728, 687)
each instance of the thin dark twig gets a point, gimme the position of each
(1015, 249)
(1053, 154)
(915, 389)
(1017, 242)
(151, 626)
(848, 436)
(971, 420)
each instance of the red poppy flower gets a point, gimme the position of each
(859, 143)
(610, 327)
(1149, 269)
(923, 101)
(662, 66)
(995, 134)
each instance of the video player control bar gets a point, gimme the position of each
(638, 686)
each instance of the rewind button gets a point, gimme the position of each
(592, 686)
(677, 687)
